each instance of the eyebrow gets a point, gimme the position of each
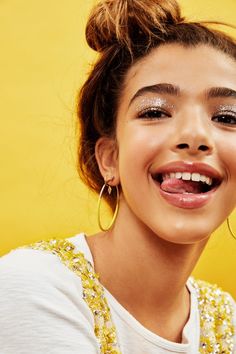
(216, 92)
(173, 90)
(162, 88)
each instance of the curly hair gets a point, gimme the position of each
(122, 32)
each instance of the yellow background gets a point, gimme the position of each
(43, 62)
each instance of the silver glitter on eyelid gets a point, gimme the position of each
(227, 107)
(153, 102)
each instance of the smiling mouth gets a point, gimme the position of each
(186, 182)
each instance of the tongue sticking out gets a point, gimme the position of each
(173, 185)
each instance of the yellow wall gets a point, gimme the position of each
(43, 62)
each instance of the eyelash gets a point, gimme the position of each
(224, 117)
(153, 113)
(150, 114)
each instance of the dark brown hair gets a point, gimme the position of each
(123, 31)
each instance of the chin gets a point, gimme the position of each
(186, 240)
(182, 234)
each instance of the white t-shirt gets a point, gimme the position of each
(42, 311)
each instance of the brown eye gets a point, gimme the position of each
(153, 113)
(225, 118)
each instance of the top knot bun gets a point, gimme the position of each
(125, 22)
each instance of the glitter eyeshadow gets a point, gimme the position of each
(227, 108)
(153, 102)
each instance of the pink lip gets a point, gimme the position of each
(188, 200)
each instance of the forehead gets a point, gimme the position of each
(193, 69)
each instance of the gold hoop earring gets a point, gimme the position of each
(230, 229)
(109, 188)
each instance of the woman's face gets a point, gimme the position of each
(176, 133)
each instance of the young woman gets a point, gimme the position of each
(158, 141)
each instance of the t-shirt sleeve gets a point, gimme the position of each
(41, 306)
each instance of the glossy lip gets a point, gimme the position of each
(188, 200)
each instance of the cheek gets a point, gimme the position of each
(139, 148)
(227, 154)
(141, 144)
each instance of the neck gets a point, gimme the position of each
(145, 273)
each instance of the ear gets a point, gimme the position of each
(106, 153)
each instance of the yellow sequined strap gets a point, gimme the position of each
(216, 318)
(216, 310)
(93, 292)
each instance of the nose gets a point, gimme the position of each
(193, 134)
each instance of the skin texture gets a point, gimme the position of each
(147, 257)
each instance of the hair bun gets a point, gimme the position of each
(124, 21)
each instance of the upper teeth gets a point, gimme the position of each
(187, 176)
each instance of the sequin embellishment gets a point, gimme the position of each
(216, 319)
(216, 312)
(93, 292)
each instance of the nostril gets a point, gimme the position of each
(182, 146)
(187, 146)
(203, 148)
